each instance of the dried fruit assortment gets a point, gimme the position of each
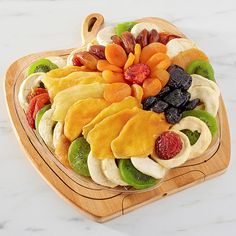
(135, 103)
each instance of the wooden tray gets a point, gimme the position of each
(96, 202)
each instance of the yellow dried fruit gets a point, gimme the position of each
(80, 114)
(101, 136)
(138, 136)
(62, 72)
(129, 102)
(69, 96)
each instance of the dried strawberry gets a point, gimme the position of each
(36, 92)
(137, 73)
(35, 105)
(168, 145)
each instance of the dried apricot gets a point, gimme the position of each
(150, 50)
(137, 53)
(155, 59)
(164, 64)
(151, 87)
(162, 75)
(112, 77)
(115, 55)
(105, 65)
(116, 92)
(129, 61)
(137, 92)
(183, 59)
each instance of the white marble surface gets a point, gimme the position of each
(28, 206)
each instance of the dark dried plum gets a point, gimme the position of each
(149, 102)
(190, 105)
(179, 78)
(159, 106)
(177, 98)
(173, 115)
(163, 92)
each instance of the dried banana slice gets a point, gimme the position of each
(208, 96)
(46, 127)
(96, 173)
(193, 124)
(57, 132)
(105, 34)
(111, 171)
(31, 82)
(149, 167)
(181, 157)
(175, 46)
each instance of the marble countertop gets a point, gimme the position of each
(29, 206)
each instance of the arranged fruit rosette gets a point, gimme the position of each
(134, 103)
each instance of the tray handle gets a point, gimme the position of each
(90, 27)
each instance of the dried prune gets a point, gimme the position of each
(190, 105)
(159, 106)
(163, 92)
(173, 115)
(177, 98)
(149, 102)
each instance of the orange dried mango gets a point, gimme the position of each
(80, 114)
(129, 61)
(101, 136)
(127, 103)
(62, 72)
(138, 136)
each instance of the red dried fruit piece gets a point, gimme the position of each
(166, 37)
(137, 73)
(98, 51)
(168, 145)
(36, 92)
(76, 61)
(35, 105)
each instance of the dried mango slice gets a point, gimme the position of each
(129, 102)
(80, 114)
(101, 136)
(62, 72)
(55, 85)
(69, 96)
(138, 136)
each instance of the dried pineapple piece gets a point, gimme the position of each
(80, 114)
(138, 136)
(101, 136)
(128, 102)
(69, 96)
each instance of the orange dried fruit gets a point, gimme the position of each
(183, 59)
(164, 64)
(137, 53)
(105, 65)
(129, 61)
(155, 59)
(151, 87)
(115, 55)
(116, 92)
(150, 50)
(162, 75)
(137, 92)
(112, 77)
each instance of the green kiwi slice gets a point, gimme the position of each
(202, 68)
(134, 177)
(193, 136)
(206, 117)
(78, 155)
(123, 27)
(40, 114)
(41, 65)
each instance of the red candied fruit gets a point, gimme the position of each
(168, 145)
(137, 73)
(76, 61)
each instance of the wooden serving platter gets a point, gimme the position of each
(99, 203)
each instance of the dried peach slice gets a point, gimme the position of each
(183, 59)
(150, 50)
(115, 54)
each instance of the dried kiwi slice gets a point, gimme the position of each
(204, 116)
(192, 136)
(78, 155)
(202, 68)
(41, 65)
(123, 27)
(134, 177)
